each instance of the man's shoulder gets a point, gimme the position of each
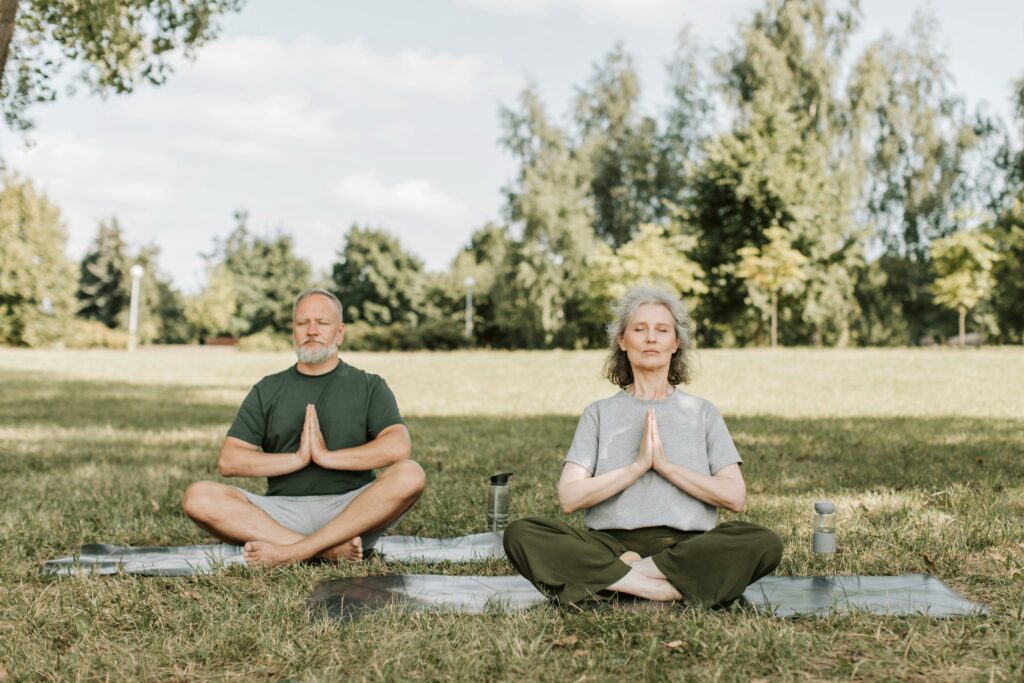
(277, 378)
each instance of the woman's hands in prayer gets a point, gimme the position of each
(645, 456)
(660, 460)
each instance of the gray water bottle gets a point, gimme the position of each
(497, 502)
(824, 537)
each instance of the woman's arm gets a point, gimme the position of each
(579, 489)
(724, 489)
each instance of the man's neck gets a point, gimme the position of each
(318, 368)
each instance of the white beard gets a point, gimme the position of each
(316, 355)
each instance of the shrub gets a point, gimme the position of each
(264, 340)
(92, 334)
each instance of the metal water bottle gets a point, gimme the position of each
(497, 502)
(824, 537)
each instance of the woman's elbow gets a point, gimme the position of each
(566, 505)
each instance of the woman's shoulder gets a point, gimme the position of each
(693, 403)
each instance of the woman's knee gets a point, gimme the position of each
(770, 545)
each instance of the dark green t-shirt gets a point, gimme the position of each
(353, 407)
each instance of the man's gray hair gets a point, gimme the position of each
(617, 367)
(323, 292)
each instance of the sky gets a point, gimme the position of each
(313, 115)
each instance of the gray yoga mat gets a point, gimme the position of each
(189, 560)
(781, 596)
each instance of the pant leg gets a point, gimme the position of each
(717, 566)
(564, 563)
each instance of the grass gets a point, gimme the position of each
(921, 449)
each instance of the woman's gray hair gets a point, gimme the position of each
(617, 367)
(323, 292)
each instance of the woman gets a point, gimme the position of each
(650, 465)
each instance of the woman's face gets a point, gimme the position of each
(649, 339)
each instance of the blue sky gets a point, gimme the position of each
(313, 115)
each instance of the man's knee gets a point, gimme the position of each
(408, 476)
(201, 498)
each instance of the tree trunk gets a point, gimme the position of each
(963, 327)
(8, 13)
(775, 319)
(817, 336)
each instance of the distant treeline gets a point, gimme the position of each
(786, 185)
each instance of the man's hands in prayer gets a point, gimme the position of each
(312, 446)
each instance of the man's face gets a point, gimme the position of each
(317, 330)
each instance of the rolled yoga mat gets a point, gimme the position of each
(780, 596)
(190, 560)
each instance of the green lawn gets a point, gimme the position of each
(922, 449)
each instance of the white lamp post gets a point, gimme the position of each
(137, 272)
(469, 282)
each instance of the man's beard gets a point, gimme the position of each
(315, 355)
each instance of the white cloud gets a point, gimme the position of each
(243, 124)
(342, 66)
(711, 16)
(417, 198)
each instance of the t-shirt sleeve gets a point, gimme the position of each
(250, 424)
(721, 450)
(382, 411)
(583, 450)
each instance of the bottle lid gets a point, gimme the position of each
(500, 479)
(824, 507)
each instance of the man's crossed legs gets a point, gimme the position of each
(226, 512)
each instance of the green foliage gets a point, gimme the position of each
(92, 334)
(36, 290)
(267, 275)
(211, 312)
(378, 282)
(963, 263)
(774, 269)
(1008, 272)
(653, 255)
(111, 45)
(264, 341)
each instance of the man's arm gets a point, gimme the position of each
(242, 459)
(391, 445)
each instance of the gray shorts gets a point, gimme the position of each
(306, 514)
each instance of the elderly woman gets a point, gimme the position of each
(650, 465)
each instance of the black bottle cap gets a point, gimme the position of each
(500, 479)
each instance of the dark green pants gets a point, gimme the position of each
(709, 567)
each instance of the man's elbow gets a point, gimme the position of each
(225, 467)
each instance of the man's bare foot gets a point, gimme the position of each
(629, 557)
(350, 550)
(264, 554)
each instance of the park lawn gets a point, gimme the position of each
(921, 449)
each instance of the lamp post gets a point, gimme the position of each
(137, 272)
(469, 282)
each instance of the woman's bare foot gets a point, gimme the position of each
(350, 550)
(643, 586)
(264, 554)
(629, 557)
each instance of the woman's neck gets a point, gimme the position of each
(650, 386)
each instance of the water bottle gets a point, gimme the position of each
(497, 502)
(824, 537)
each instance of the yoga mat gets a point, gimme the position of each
(780, 596)
(189, 560)
(788, 596)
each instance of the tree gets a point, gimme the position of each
(963, 262)
(772, 270)
(784, 163)
(540, 296)
(161, 306)
(115, 45)
(378, 281)
(36, 278)
(268, 275)
(628, 179)
(104, 288)
(211, 312)
(653, 255)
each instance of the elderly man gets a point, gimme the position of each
(317, 431)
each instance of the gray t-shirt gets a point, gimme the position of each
(694, 436)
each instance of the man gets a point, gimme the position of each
(316, 431)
